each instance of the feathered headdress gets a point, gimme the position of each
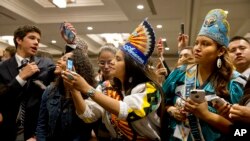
(141, 43)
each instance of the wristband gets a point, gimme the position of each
(91, 92)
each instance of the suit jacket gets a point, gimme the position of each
(12, 93)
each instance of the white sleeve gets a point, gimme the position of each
(142, 97)
(99, 88)
(132, 103)
(20, 80)
(92, 113)
(123, 110)
(93, 110)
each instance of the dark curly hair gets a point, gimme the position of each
(82, 66)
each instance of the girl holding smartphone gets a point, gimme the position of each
(211, 72)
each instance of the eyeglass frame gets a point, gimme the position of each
(103, 63)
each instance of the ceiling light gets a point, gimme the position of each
(163, 39)
(247, 35)
(117, 39)
(166, 48)
(60, 3)
(90, 28)
(7, 39)
(53, 41)
(140, 6)
(42, 45)
(159, 26)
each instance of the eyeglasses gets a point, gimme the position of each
(103, 63)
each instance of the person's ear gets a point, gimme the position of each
(222, 51)
(18, 40)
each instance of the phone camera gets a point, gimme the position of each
(193, 92)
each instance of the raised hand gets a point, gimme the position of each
(160, 49)
(182, 41)
(71, 28)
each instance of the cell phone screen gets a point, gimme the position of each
(67, 33)
(70, 64)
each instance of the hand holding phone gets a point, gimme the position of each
(217, 101)
(67, 33)
(197, 95)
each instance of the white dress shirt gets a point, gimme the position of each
(18, 78)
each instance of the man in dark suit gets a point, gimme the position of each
(23, 83)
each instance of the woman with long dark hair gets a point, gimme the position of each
(212, 75)
(57, 118)
(129, 105)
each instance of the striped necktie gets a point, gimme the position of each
(22, 113)
(24, 62)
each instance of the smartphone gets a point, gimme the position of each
(67, 33)
(218, 101)
(182, 28)
(70, 64)
(197, 95)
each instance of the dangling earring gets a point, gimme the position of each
(130, 79)
(219, 63)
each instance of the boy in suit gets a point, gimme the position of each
(23, 83)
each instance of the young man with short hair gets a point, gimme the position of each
(239, 51)
(23, 83)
